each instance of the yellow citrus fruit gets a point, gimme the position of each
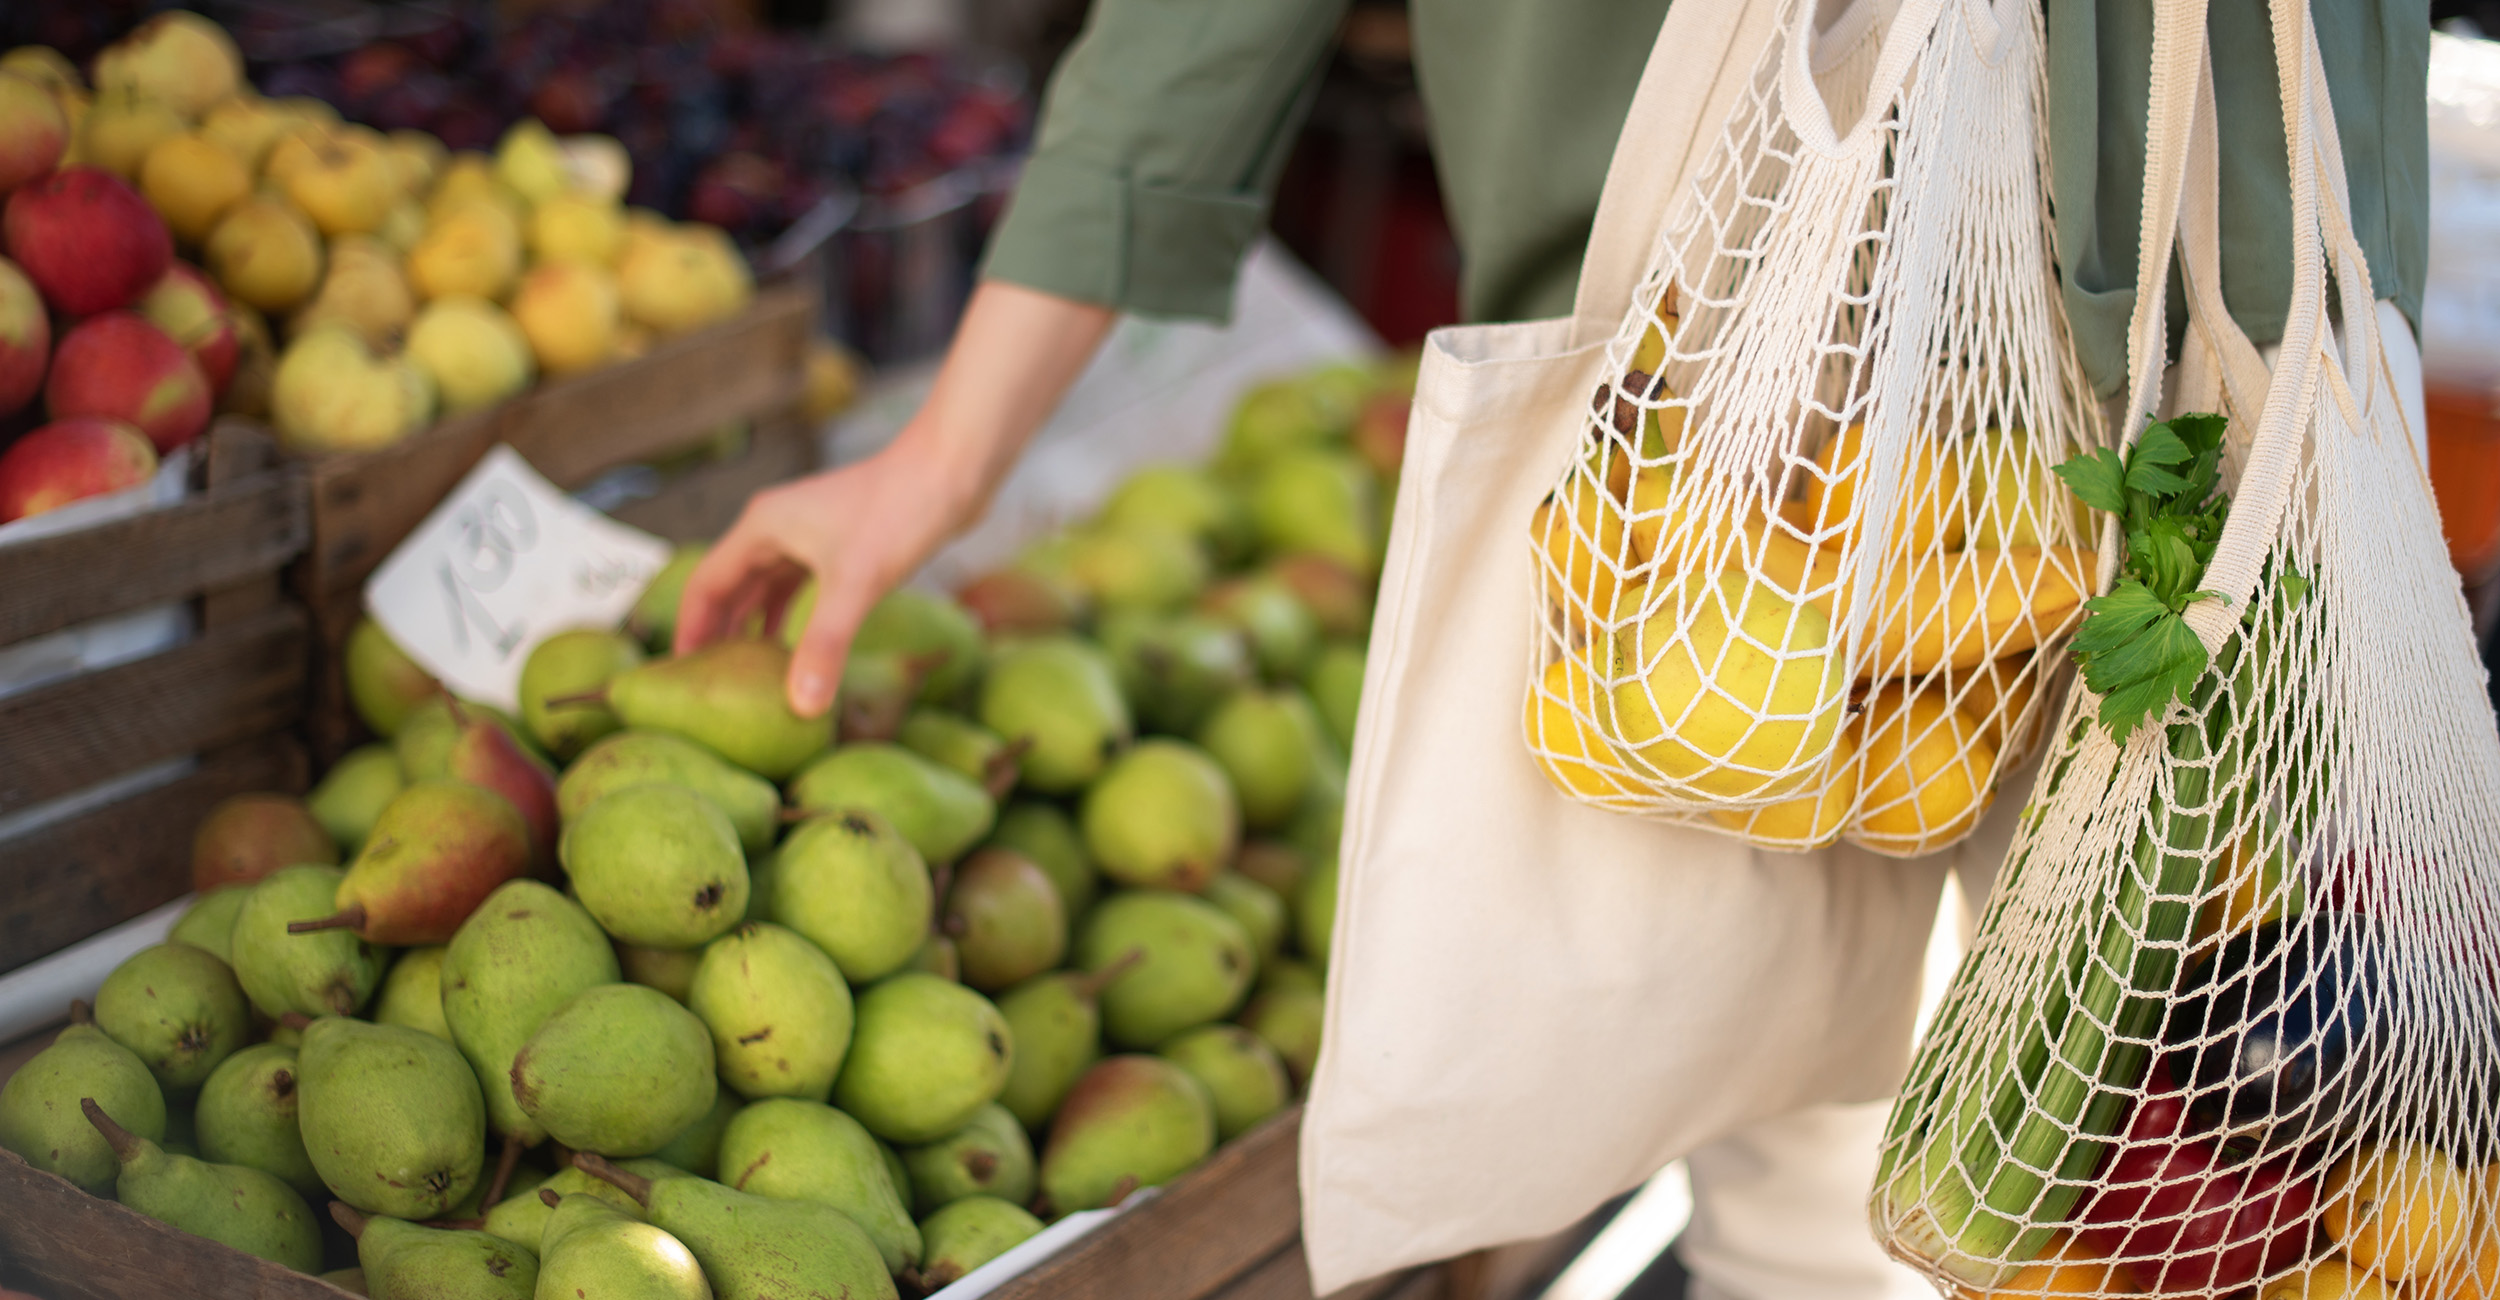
(1580, 536)
(1965, 608)
(2064, 1269)
(1931, 511)
(1559, 732)
(2009, 494)
(1809, 820)
(2254, 892)
(2474, 1274)
(2332, 1279)
(1927, 769)
(1995, 694)
(2400, 1210)
(1726, 685)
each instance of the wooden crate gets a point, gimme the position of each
(572, 430)
(231, 694)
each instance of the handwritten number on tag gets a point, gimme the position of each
(494, 533)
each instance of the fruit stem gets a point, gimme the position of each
(793, 816)
(1090, 986)
(451, 705)
(504, 1165)
(580, 700)
(295, 1020)
(125, 1144)
(80, 1013)
(350, 917)
(349, 1217)
(632, 1184)
(1121, 1191)
(998, 776)
(548, 1194)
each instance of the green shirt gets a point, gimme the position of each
(1165, 128)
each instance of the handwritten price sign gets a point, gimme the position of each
(504, 563)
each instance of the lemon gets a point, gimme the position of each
(1728, 687)
(1561, 735)
(1926, 770)
(1580, 539)
(2397, 1210)
(1930, 514)
(1809, 820)
(2331, 1279)
(2009, 495)
(1995, 694)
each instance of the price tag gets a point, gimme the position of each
(505, 562)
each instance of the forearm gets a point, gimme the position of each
(1014, 356)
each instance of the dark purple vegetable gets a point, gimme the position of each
(2274, 1033)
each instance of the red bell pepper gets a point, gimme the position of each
(2178, 1220)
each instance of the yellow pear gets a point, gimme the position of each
(1928, 770)
(1564, 727)
(1930, 516)
(255, 365)
(632, 341)
(2010, 496)
(177, 59)
(466, 177)
(530, 161)
(1725, 685)
(643, 227)
(296, 147)
(472, 351)
(348, 186)
(44, 65)
(120, 131)
(1809, 820)
(689, 279)
(833, 379)
(471, 250)
(416, 156)
(363, 291)
(1965, 608)
(1579, 535)
(332, 393)
(597, 166)
(1995, 695)
(403, 227)
(578, 228)
(246, 126)
(192, 180)
(568, 311)
(265, 254)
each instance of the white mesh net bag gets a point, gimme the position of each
(1808, 572)
(2230, 1025)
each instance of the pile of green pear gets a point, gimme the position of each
(657, 989)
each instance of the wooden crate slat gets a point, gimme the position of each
(79, 1247)
(207, 541)
(89, 873)
(226, 686)
(1209, 1227)
(702, 503)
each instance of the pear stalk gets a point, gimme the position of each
(350, 917)
(504, 1165)
(350, 1218)
(1091, 984)
(125, 1143)
(579, 700)
(623, 1180)
(999, 774)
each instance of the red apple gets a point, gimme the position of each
(67, 460)
(87, 240)
(25, 338)
(33, 130)
(121, 367)
(188, 307)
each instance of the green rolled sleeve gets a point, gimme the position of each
(1162, 137)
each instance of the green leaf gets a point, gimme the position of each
(2097, 478)
(2295, 588)
(2202, 433)
(2114, 620)
(2138, 679)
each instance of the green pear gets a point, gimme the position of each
(1276, 864)
(926, 1056)
(1132, 1122)
(383, 683)
(618, 1070)
(929, 627)
(524, 953)
(964, 747)
(1163, 816)
(1197, 963)
(228, 1204)
(351, 797)
(937, 956)
(1262, 913)
(988, 1157)
(178, 1009)
(1270, 744)
(670, 970)
(1295, 413)
(778, 1011)
(1186, 499)
(941, 811)
(855, 888)
(519, 1181)
(1173, 667)
(968, 1233)
(593, 1248)
(658, 865)
(438, 850)
(1283, 632)
(1059, 694)
(350, 1280)
(1243, 1076)
(727, 697)
(758, 1248)
(878, 688)
(896, 1176)
(424, 744)
(182, 1135)
(1288, 1018)
(247, 836)
(323, 973)
(400, 1258)
(696, 1149)
(1335, 683)
(653, 619)
(1045, 834)
(521, 1217)
(1005, 919)
(392, 1117)
(1320, 821)
(1022, 600)
(577, 662)
(793, 1150)
(1315, 910)
(763, 883)
(412, 994)
(1325, 502)
(1287, 975)
(1137, 566)
(247, 1116)
(631, 758)
(1339, 597)
(209, 923)
(42, 1121)
(1055, 1022)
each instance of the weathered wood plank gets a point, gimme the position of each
(216, 538)
(84, 875)
(702, 503)
(1208, 1228)
(224, 687)
(72, 1246)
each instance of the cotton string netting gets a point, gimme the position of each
(1808, 574)
(2230, 1026)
